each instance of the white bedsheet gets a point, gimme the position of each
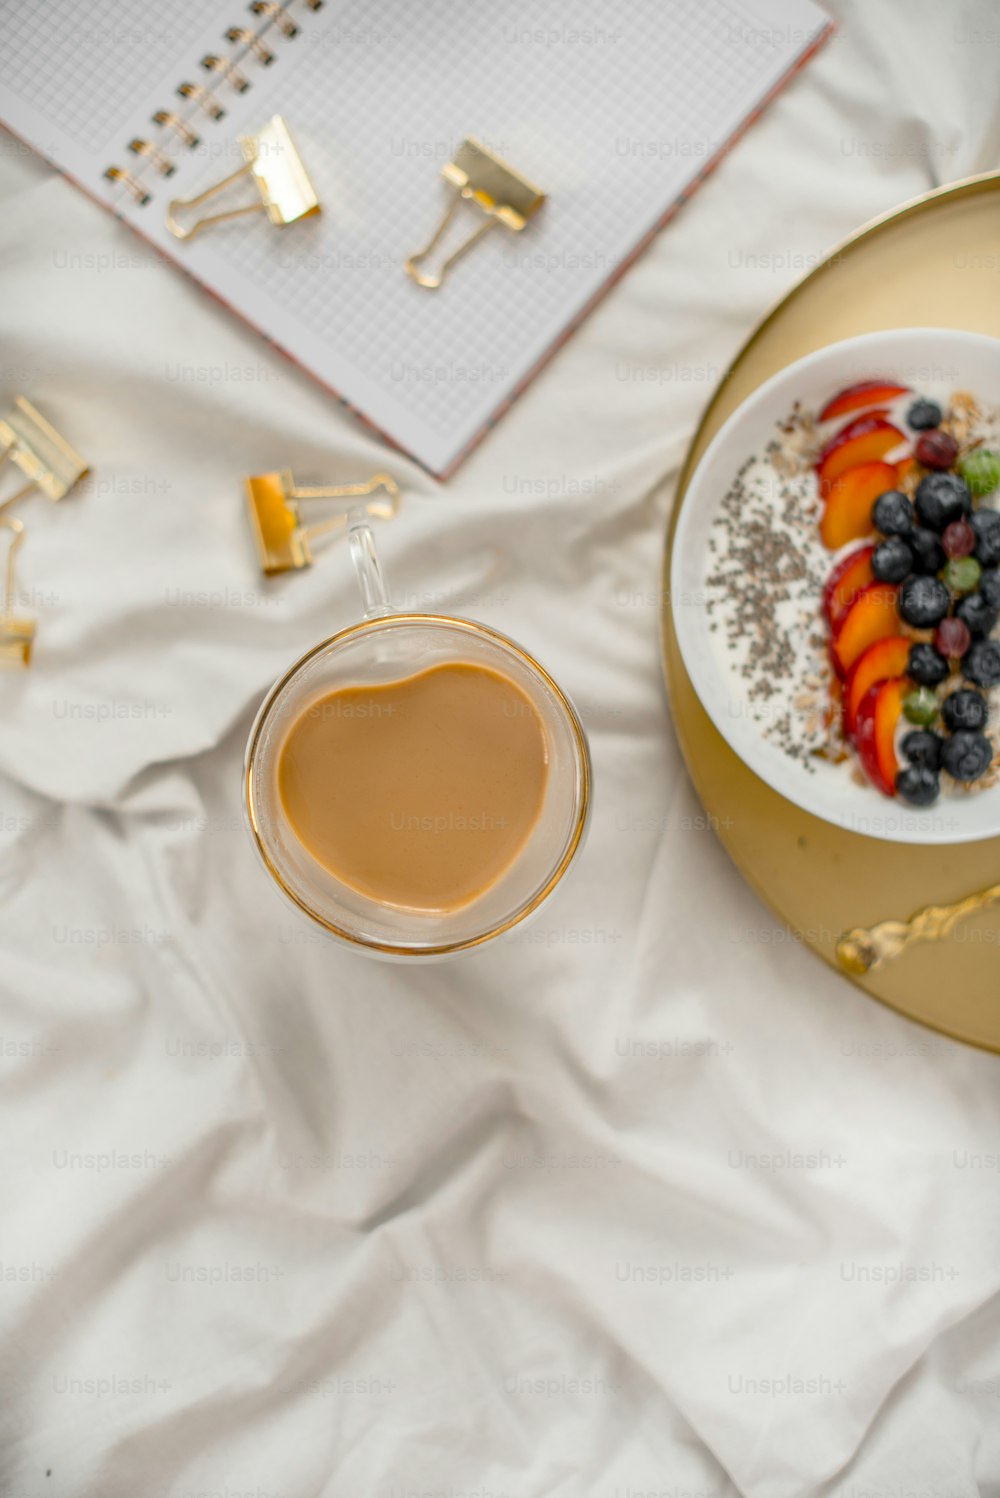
(643, 1200)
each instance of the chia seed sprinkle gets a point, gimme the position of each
(763, 587)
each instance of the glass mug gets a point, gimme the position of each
(387, 647)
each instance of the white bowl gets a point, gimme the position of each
(935, 362)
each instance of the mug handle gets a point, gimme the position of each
(367, 567)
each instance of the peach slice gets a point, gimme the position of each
(878, 715)
(871, 617)
(855, 427)
(851, 574)
(857, 397)
(866, 440)
(847, 515)
(888, 657)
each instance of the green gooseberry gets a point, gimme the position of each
(961, 575)
(921, 706)
(981, 471)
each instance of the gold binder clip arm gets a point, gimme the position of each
(283, 542)
(478, 177)
(16, 633)
(43, 456)
(272, 160)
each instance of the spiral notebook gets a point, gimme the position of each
(615, 112)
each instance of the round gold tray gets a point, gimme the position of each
(934, 262)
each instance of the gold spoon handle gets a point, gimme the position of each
(861, 950)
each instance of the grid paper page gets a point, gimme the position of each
(613, 113)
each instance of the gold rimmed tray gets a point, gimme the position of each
(934, 262)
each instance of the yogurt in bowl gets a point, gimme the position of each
(780, 507)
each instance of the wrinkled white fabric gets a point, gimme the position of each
(643, 1200)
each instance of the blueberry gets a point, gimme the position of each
(922, 747)
(927, 666)
(982, 663)
(966, 755)
(964, 709)
(923, 601)
(986, 524)
(892, 560)
(977, 614)
(892, 513)
(928, 553)
(924, 414)
(940, 499)
(989, 587)
(918, 784)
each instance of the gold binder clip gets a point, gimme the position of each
(271, 159)
(45, 458)
(478, 177)
(16, 633)
(283, 542)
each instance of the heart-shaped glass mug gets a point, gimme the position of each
(385, 647)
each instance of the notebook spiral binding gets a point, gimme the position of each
(212, 106)
(248, 43)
